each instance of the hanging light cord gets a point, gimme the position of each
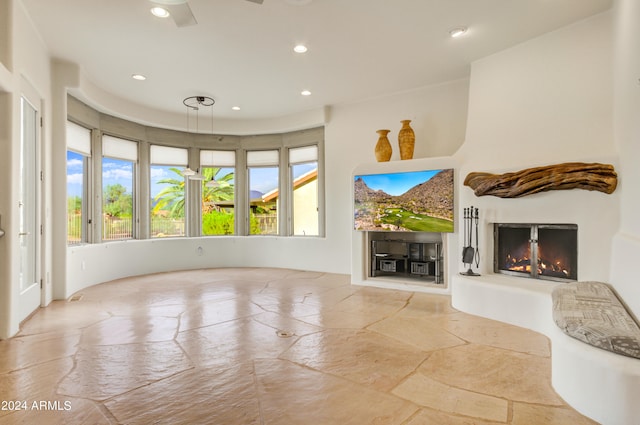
(195, 102)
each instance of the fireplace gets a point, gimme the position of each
(538, 251)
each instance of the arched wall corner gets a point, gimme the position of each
(65, 75)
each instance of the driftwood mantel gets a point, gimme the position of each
(570, 175)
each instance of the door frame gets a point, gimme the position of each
(33, 296)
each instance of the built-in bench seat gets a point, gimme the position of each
(601, 384)
(592, 313)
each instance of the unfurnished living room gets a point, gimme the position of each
(319, 211)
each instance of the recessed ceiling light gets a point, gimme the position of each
(235, 108)
(300, 48)
(160, 12)
(458, 32)
(305, 93)
(138, 77)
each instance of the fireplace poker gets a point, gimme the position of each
(477, 256)
(467, 251)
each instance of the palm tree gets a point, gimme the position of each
(222, 188)
(171, 197)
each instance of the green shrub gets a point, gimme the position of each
(217, 223)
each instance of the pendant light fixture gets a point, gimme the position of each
(188, 172)
(194, 104)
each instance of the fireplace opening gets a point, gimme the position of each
(539, 251)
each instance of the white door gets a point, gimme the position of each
(29, 209)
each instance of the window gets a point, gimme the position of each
(78, 154)
(263, 172)
(303, 164)
(167, 189)
(119, 158)
(218, 192)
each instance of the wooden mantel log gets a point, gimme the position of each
(570, 175)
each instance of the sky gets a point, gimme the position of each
(265, 179)
(74, 174)
(397, 183)
(116, 171)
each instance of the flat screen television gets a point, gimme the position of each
(413, 201)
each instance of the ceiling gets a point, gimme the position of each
(241, 53)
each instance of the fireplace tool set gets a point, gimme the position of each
(469, 253)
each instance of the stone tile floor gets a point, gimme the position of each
(271, 346)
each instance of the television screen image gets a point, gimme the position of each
(413, 201)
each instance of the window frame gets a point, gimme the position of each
(134, 184)
(221, 163)
(86, 210)
(183, 163)
(291, 188)
(276, 162)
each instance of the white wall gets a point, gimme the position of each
(626, 244)
(546, 101)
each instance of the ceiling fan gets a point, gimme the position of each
(181, 12)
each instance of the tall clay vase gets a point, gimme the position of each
(383, 147)
(406, 140)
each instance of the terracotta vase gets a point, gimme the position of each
(406, 140)
(383, 147)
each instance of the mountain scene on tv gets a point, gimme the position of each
(420, 201)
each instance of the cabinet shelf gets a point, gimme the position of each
(417, 260)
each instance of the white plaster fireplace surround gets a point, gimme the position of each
(520, 116)
(546, 101)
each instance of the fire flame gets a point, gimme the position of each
(544, 267)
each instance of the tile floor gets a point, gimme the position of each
(271, 346)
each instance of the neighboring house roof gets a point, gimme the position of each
(297, 183)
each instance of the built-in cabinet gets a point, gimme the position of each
(404, 258)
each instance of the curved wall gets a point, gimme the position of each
(97, 263)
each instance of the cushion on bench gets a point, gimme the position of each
(592, 313)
